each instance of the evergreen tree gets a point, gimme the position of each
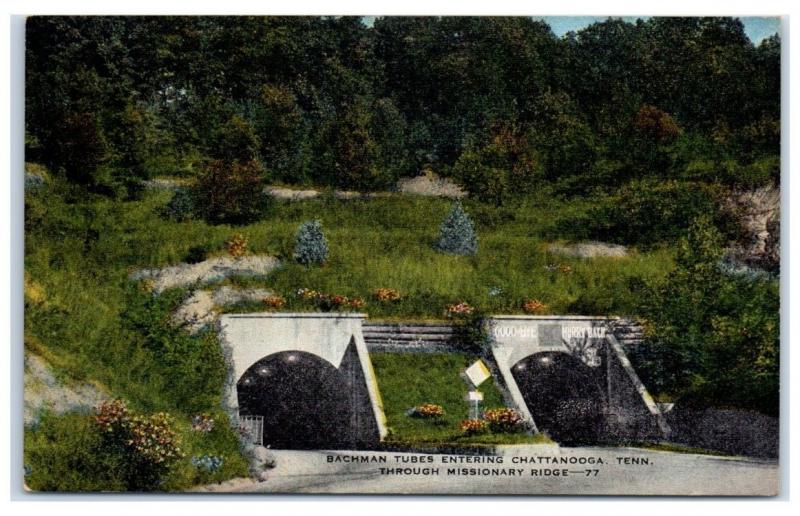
(311, 246)
(457, 233)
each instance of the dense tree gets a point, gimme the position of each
(331, 101)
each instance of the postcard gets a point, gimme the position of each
(402, 255)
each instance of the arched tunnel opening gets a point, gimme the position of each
(566, 397)
(305, 401)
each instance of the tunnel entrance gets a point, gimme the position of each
(305, 401)
(566, 397)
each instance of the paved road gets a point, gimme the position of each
(622, 471)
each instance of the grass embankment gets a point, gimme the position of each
(92, 323)
(408, 380)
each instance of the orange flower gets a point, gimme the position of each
(473, 426)
(274, 301)
(237, 245)
(386, 294)
(533, 306)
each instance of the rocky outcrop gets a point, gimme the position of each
(430, 185)
(43, 390)
(200, 309)
(590, 249)
(208, 271)
(758, 214)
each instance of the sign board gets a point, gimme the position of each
(478, 373)
(475, 396)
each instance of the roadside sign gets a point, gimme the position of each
(475, 396)
(478, 373)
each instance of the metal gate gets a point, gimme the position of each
(253, 427)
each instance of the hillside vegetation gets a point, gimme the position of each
(636, 134)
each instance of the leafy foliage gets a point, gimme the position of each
(231, 192)
(714, 338)
(325, 100)
(649, 211)
(181, 206)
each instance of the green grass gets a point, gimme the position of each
(407, 380)
(92, 323)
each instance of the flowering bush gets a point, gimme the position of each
(356, 302)
(110, 415)
(458, 309)
(307, 294)
(150, 438)
(202, 423)
(237, 245)
(473, 426)
(533, 306)
(153, 439)
(209, 463)
(503, 420)
(386, 295)
(429, 410)
(274, 301)
(329, 301)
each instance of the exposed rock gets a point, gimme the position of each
(759, 221)
(208, 271)
(35, 175)
(164, 183)
(33, 180)
(430, 185)
(199, 309)
(196, 312)
(289, 194)
(263, 457)
(590, 250)
(44, 390)
(230, 295)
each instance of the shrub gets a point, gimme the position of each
(505, 166)
(82, 147)
(458, 310)
(67, 453)
(202, 423)
(196, 254)
(236, 245)
(150, 440)
(457, 233)
(231, 192)
(386, 294)
(274, 301)
(114, 449)
(533, 306)
(503, 420)
(428, 411)
(473, 426)
(180, 207)
(646, 212)
(714, 339)
(329, 301)
(311, 247)
(208, 463)
(656, 124)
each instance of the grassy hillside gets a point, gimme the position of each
(90, 322)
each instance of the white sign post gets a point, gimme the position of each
(476, 374)
(474, 398)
